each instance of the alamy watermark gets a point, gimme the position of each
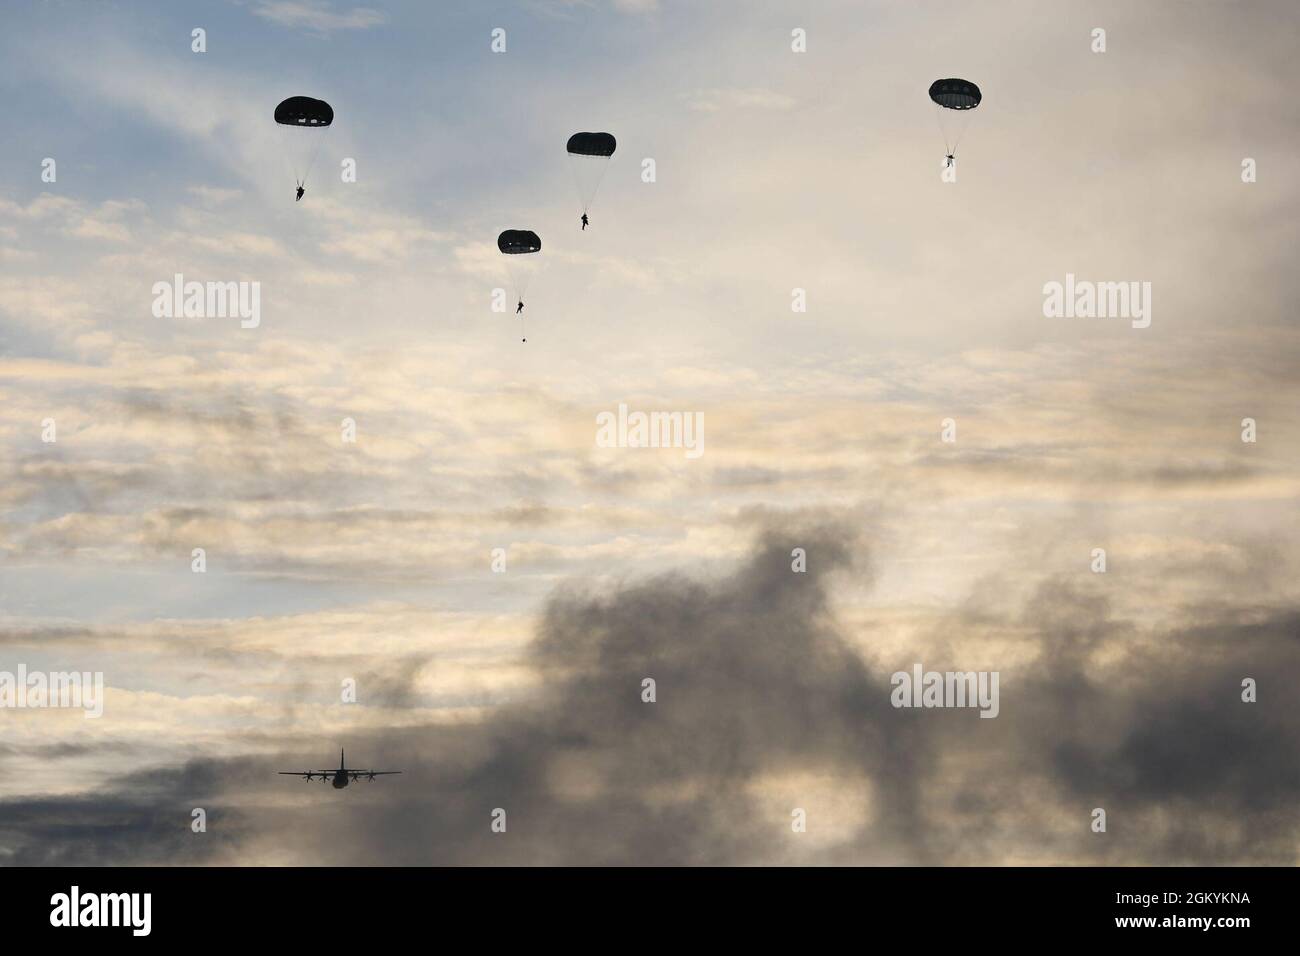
(179, 299)
(922, 688)
(651, 430)
(61, 689)
(1080, 298)
(75, 908)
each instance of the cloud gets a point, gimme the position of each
(107, 220)
(214, 195)
(91, 228)
(566, 8)
(318, 17)
(140, 818)
(765, 703)
(738, 98)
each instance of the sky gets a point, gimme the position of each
(777, 175)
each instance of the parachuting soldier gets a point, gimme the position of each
(589, 155)
(306, 114)
(953, 95)
(513, 243)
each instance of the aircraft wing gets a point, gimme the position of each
(372, 773)
(304, 773)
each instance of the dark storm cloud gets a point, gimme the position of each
(140, 818)
(1149, 727)
(1172, 734)
(751, 678)
(755, 680)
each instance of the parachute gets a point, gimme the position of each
(303, 122)
(589, 155)
(953, 100)
(304, 111)
(518, 242)
(592, 144)
(520, 248)
(955, 94)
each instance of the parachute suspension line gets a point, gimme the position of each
(587, 193)
(577, 184)
(287, 147)
(519, 276)
(963, 122)
(938, 121)
(311, 160)
(951, 135)
(599, 179)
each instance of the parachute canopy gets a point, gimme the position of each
(592, 144)
(304, 111)
(955, 94)
(517, 242)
